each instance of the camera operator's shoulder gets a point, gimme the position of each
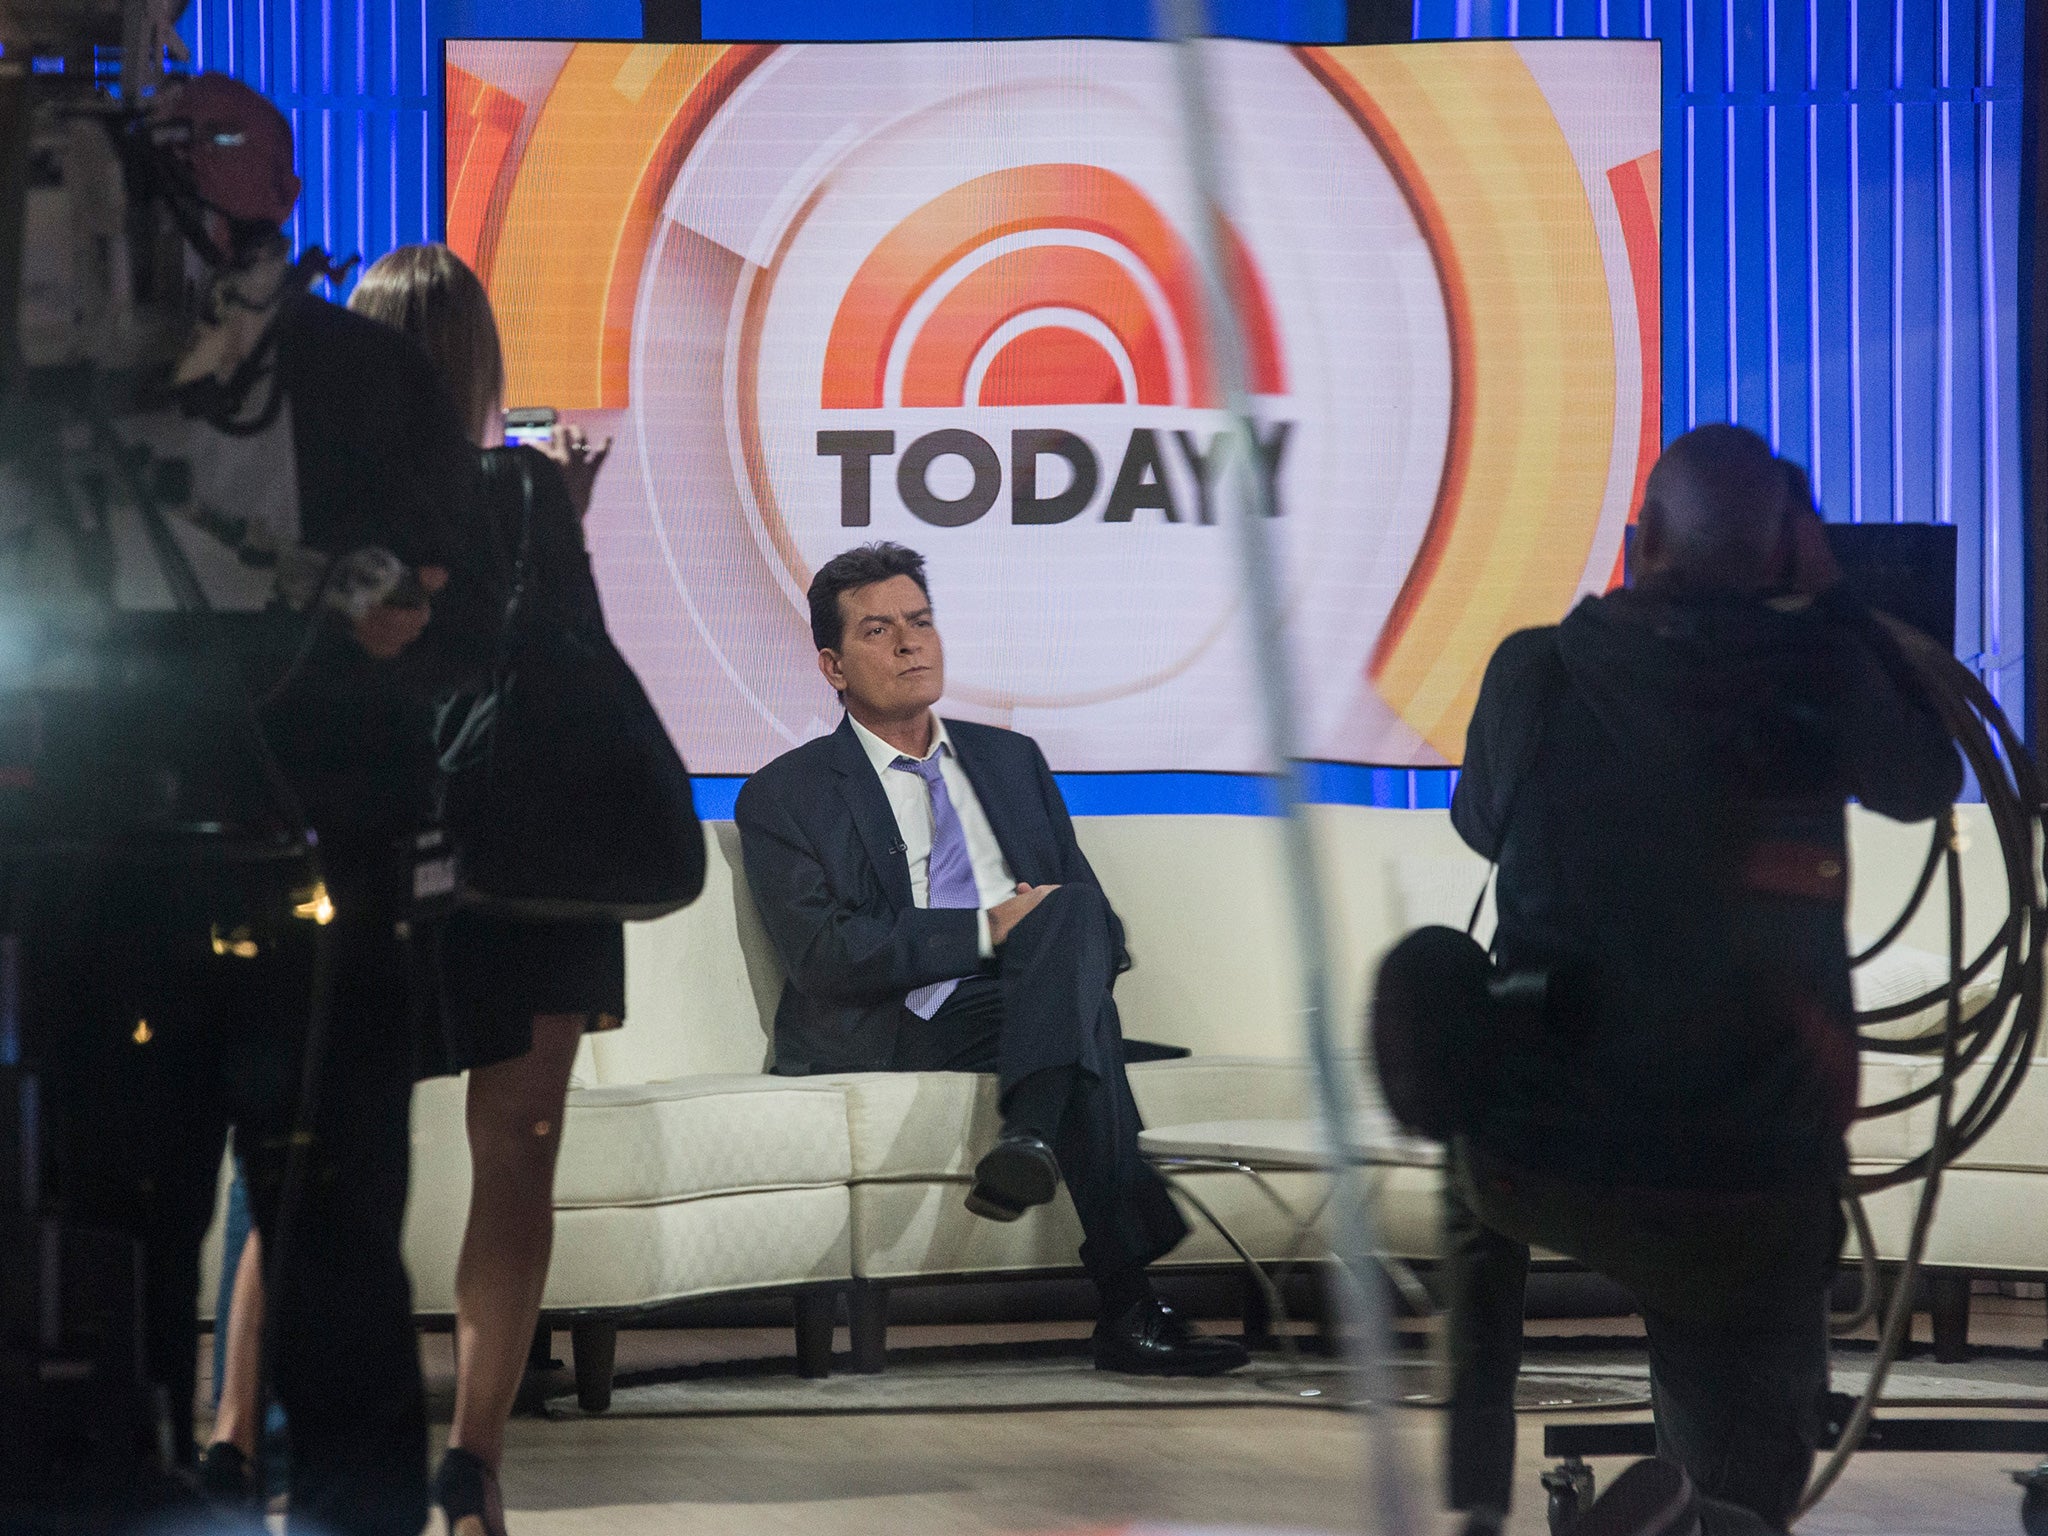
(1523, 652)
(1522, 667)
(328, 341)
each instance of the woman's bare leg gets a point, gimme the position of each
(515, 1131)
(239, 1416)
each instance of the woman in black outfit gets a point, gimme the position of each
(519, 996)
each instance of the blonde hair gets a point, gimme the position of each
(427, 292)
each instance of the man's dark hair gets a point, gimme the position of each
(861, 566)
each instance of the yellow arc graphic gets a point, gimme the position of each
(1479, 153)
(575, 228)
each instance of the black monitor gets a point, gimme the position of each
(1907, 570)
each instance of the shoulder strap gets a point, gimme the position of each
(463, 739)
(521, 575)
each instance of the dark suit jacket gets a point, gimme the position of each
(832, 884)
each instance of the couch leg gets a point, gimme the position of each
(867, 1317)
(595, 1346)
(1329, 1311)
(1949, 1300)
(815, 1308)
(540, 1354)
(532, 1397)
(1888, 1278)
(1258, 1312)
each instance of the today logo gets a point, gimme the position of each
(1050, 285)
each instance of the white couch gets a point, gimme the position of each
(687, 1171)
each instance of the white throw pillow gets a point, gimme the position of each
(1902, 973)
(1440, 888)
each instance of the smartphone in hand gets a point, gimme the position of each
(530, 426)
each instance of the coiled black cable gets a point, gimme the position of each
(2011, 1018)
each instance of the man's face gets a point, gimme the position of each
(890, 663)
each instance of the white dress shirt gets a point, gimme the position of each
(912, 803)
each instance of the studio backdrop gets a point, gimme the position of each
(947, 294)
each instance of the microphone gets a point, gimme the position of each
(899, 846)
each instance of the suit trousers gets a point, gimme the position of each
(1485, 1285)
(1734, 1292)
(139, 1121)
(1046, 1004)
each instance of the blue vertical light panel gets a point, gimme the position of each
(359, 80)
(1841, 253)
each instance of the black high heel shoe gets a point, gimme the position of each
(467, 1492)
(226, 1478)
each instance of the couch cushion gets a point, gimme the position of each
(636, 1256)
(652, 1143)
(701, 985)
(934, 1125)
(1442, 889)
(1240, 1087)
(2013, 1143)
(1894, 1137)
(917, 1125)
(1902, 973)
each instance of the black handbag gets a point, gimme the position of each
(560, 783)
(1429, 1013)
(1441, 1005)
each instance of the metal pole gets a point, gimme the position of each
(1361, 1297)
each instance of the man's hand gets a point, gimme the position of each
(386, 630)
(1002, 919)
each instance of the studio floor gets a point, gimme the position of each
(968, 1473)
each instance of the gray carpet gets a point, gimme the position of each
(1008, 1379)
(1559, 1376)
(1981, 1383)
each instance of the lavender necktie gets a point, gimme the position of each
(950, 873)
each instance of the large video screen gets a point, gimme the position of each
(948, 294)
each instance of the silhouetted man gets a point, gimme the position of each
(1661, 779)
(933, 912)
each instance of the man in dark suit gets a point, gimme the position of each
(933, 912)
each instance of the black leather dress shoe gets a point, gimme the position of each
(1018, 1172)
(1149, 1338)
(1651, 1498)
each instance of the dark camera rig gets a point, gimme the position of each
(129, 742)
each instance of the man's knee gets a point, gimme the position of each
(1067, 914)
(1077, 901)
(1078, 912)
